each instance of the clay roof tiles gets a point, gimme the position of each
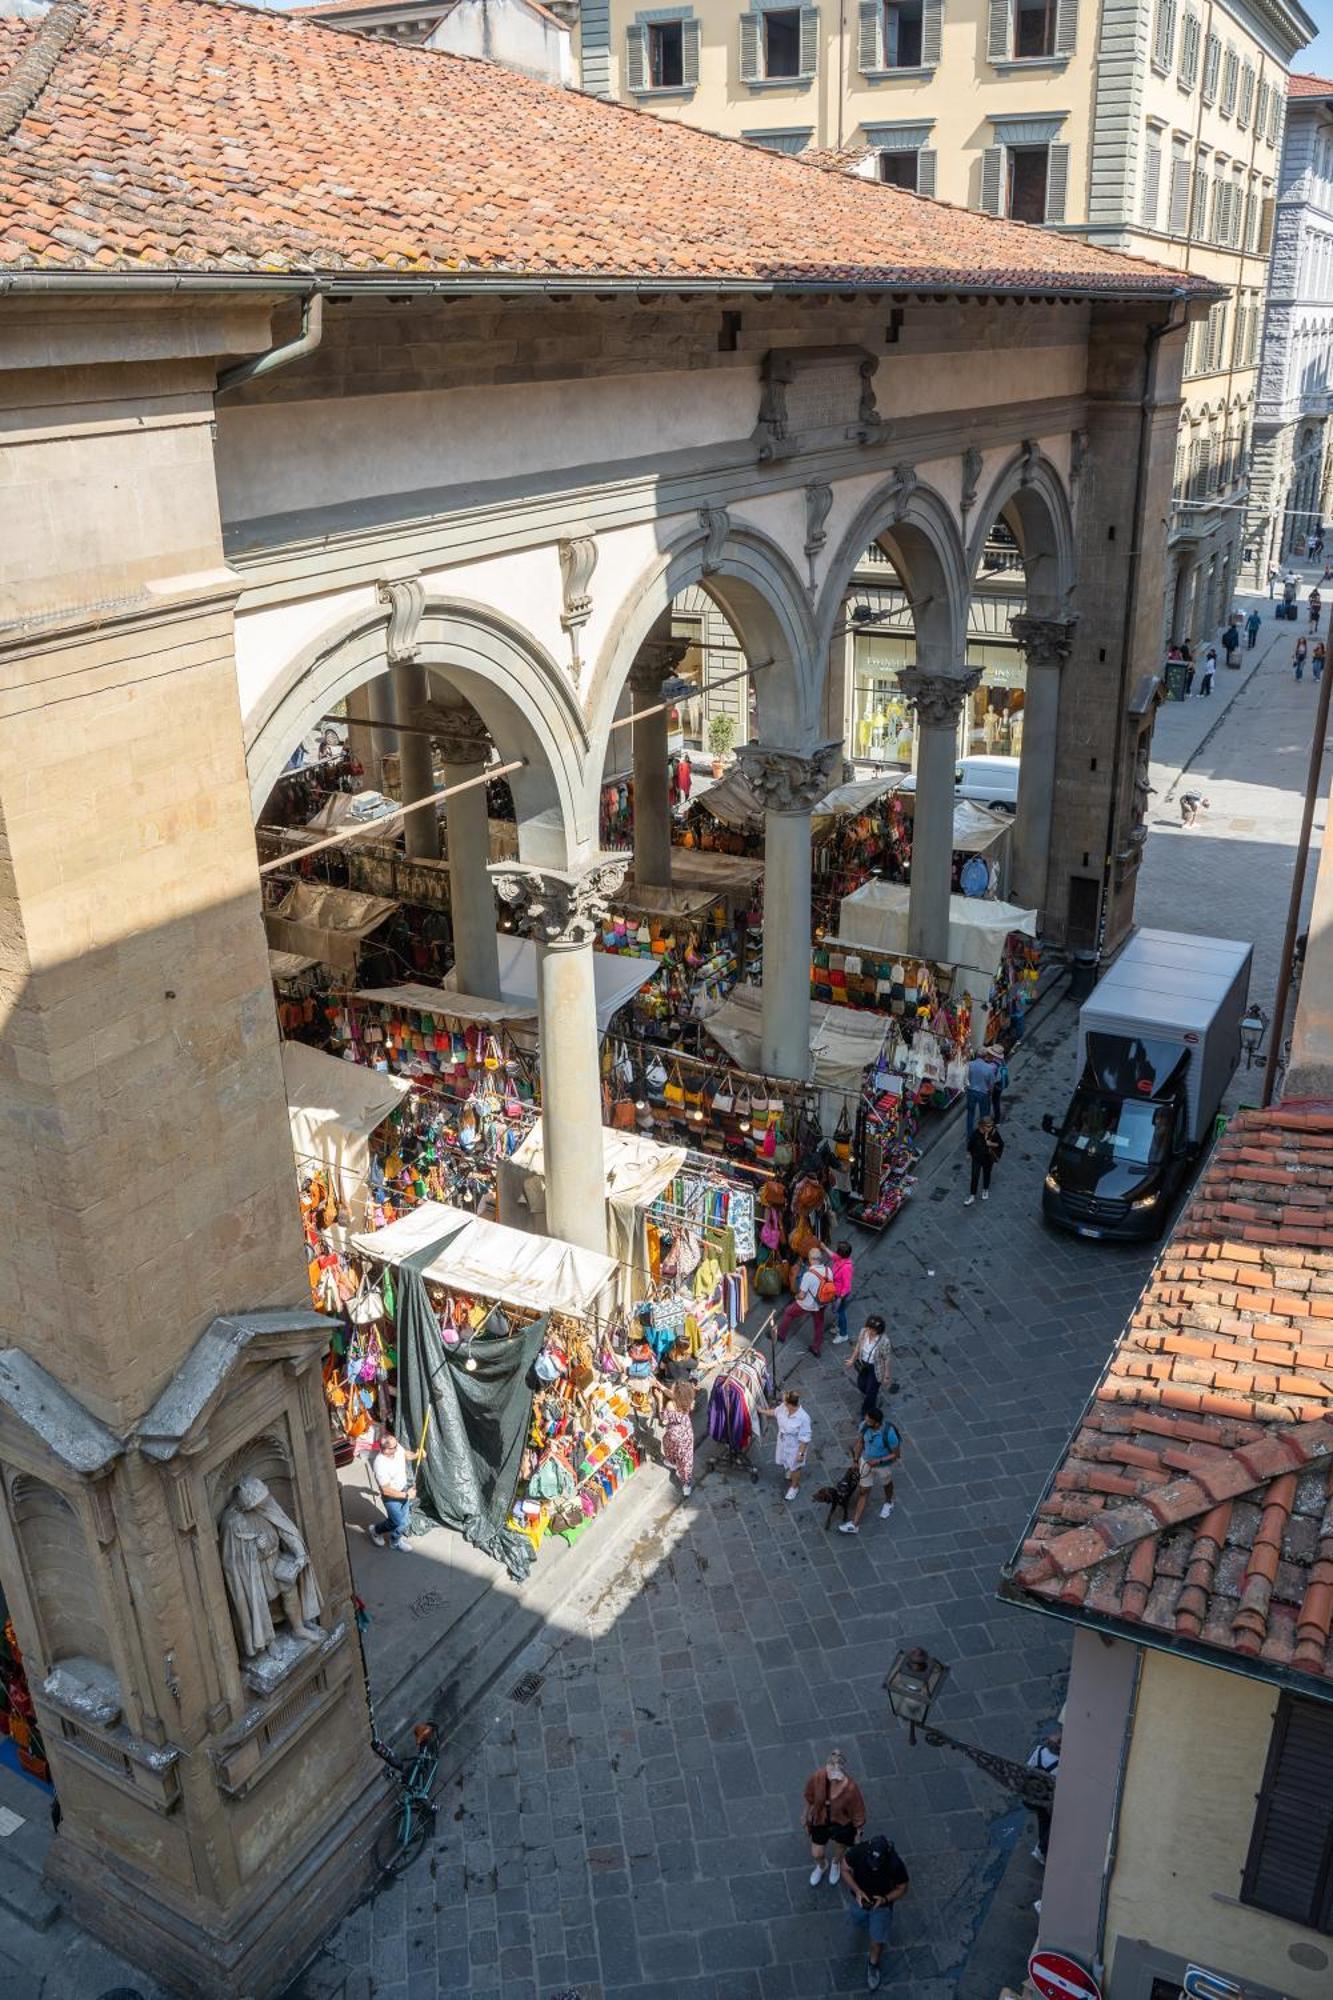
(1309, 86)
(1195, 1500)
(204, 137)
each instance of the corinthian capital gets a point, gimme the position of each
(655, 659)
(459, 734)
(938, 698)
(790, 781)
(1046, 642)
(560, 906)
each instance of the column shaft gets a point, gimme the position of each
(571, 1095)
(785, 1032)
(471, 897)
(421, 829)
(1036, 787)
(932, 838)
(652, 805)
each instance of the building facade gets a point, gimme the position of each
(1292, 468)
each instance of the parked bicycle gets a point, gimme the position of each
(413, 1820)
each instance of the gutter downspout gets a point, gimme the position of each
(1153, 335)
(306, 341)
(1113, 1838)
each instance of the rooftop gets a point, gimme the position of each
(1193, 1507)
(1309, 86)
(206, 137)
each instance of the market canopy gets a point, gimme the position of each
(975, 828)
(489, 1261)
(734, 801)
(414, 998)
(289, 964)
(844, 1041)
(334, 1106)
(875, 917)
(350, 809)
(635, 1169)
(617, 978)
(724, 874)
(650, 901)
(330, 924)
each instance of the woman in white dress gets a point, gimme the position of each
(793, 1447)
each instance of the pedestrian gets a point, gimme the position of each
(811, 1299)
(1252, 624)
(1273, 574)
(1189, 807)
(1298, 659)
(391, 1471)
(1230, 644)
(876, 1881)
(994, 1055)
(1189, 672)
(1310, 541)
(1209, 669)
(678, 1435)
(1316, 606)
(980, 1086)
(835, 1816)
(880, 1446)
(984, 1149)
(843, 1272)
(1317, 659)
(793, 1445)
(864, 1362)
(1045, 1757)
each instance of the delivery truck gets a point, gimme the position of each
(1158, 1041)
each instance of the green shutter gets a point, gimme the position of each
(992, 177)
(809, 40)
(869, 56)
(1066, 27)
(689, 53)
(636, 58)
(1057, 182)
(749, 47)
(999, 39)
(1152, 184)
(925, 170)
(932, 33)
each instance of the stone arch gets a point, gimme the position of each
(914, 524)
(488, 661)
(754, 584)
(53, 1545)
(1029, 495)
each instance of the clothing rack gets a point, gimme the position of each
(726, 1458)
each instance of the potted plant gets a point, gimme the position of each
(721, 732)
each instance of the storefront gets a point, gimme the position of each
(879, 724)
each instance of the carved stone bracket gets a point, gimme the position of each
(818, 502)
(972, 465)
(1078, 455)
(406, 599)
(790, 781)
(1046, 642)
(1029, 453)
(560, 906)
(716, 525)
(938, 698)
(578, 560)
(654, 661)
(905, 483)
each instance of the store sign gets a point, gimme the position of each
(1057, 1977)
(1201, 1984)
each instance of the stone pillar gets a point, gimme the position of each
(361, 735)
(465, 749)
(652, 791)
(216, 1782)
(1046, 643)
(789, 783)
(416, 770)
(938, 700)
(562, 911)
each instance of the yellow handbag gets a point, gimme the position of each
(674, 1091)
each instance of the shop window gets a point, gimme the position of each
(1289, 1871)
(666, 55)
(902, 34)
(782, 41)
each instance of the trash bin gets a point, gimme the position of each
(1177, 674)
(1082, 974)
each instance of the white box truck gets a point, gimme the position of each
(1158, 1041)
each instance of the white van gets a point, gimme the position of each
(988, 781)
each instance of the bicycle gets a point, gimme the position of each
(399, 1843)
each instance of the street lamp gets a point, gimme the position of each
(1252, 1031)
(912, 1683)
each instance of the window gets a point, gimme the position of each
(1230, 72)
(1198, 223)
(782, 41)
(666, 55)
(902, 34)
(1290, 1866)
(1274, 115)
(1212, 60)
(1189, 52)
(1034, 28)
(1164, 34)
(779, 43)
(899, 170)
(1246, 104)
(899, 34)
(1023, 178)
(791, 139)
(1026, 195)
(1178, 204)
(1261, 113)
(1152, 178)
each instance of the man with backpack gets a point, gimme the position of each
(881, 1446)
(814, 1294)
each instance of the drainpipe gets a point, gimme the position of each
(1113, 1838)
(306, 341)
(1150, 341)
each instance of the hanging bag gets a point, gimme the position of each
(673, 1090)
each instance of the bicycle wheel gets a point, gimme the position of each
(403, 1838)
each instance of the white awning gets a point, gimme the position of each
(844, 1041)
(334, 1106)
(875, 917)
(616, 979)
(734, 801)
(636, 1171)
(414, 998)
(485, 1259)
(327, 923)
(288, 964)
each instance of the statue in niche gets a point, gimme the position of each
(268, 1571)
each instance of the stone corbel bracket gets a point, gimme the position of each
(406, 599)
(818, 503)
(578, 560)
(972, 467)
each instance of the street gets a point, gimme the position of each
(632, 1827)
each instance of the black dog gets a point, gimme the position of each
(841, 1495)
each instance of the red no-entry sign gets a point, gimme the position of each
(1061, 1978)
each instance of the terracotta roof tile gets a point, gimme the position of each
(1211, 1452)
(1309, 86)
(204, 136)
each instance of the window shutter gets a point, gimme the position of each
(689, 53)
(1164, 34)
(809, 40)
(1212, 56)
(1266, 226)
(1230, 69)
(1066, 27)
(932, 33)
(1262, 113)
(999, 36)
(1179, 206)
(749, 47)
(1189, 51)
(870, 56)
(1152, 183)
(636, 58)
(1246, 94)
(1293, 1827)
(992, 177)
(1057, 182)
(925, 170)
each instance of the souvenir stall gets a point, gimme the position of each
(315, 920)
(334, 1107)
(982, 841)
(716, 1107)
(997, 976)
(300, 993)
(616, 979)
(698, 949)
(547, 1308)
(636, 1170)
(382, 868)
(21, 1744)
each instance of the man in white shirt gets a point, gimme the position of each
(391, 1470)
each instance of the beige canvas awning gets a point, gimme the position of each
(325, 923)
(334, 1106)
(414, 998)
(488, 1261)
(636, 1171)
(734, 801)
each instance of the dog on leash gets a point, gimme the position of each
(840, 1495)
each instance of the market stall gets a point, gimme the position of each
(992, 949)
(616, 979)
(637, 1169)
(334, 1107)
(315, 920)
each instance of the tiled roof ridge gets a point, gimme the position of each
(26, 81)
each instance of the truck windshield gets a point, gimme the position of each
(1125, 1130)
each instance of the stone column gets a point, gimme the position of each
(938, 700)
(1047, 644)
(562, 911)
(465, 749)
(416, 770)
(652, 791)
(789, 783)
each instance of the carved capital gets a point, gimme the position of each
(406, 599)
(790, 781)
(938, 698)
(459, 733)
(654, 661)
(560, 906)
(1046, 642)
(716, 525)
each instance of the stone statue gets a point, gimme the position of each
(265, 1563)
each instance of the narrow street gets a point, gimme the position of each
(632, 1829)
